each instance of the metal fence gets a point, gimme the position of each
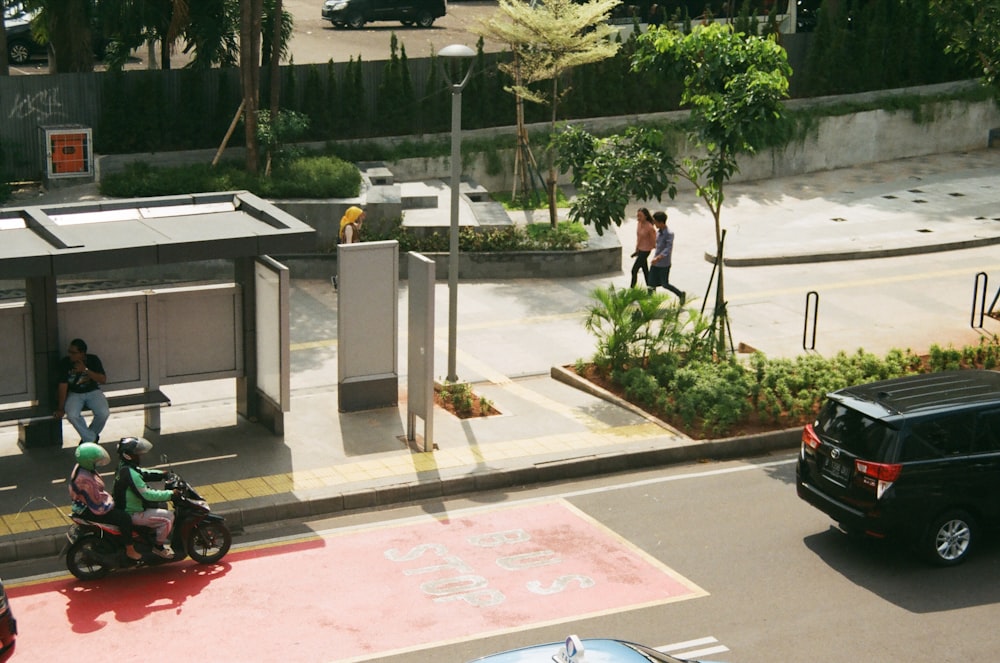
(31, 103)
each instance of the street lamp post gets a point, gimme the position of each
(461, 53)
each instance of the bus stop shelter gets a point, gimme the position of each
(156, 336)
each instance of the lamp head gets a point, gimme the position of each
(456, 51)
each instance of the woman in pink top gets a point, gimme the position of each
(645, 242)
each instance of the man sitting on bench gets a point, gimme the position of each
(80, 378)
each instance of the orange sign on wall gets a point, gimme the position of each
(69, 151)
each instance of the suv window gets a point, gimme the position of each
(940, 437)
(988, 432)
(856, 433)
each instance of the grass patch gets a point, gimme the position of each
(529, 202)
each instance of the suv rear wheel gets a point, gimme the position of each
(949, 538)
(424, 19)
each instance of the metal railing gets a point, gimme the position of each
(979, 294)
(812, 301)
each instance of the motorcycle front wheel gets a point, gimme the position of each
(209, 542)
(87, 558)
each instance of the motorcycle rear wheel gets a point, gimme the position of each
(85, 558)
(209, 542)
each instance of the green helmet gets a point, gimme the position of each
(90, 455)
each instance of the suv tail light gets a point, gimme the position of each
(809, 438)
(879, 476)
(881, 471)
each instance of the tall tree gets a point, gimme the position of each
(66, 24)
(547, 40)
(207, 29)
(972, 28)
(734, 85)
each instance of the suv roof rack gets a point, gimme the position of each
(929, 391)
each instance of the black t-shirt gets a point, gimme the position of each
(68, 374)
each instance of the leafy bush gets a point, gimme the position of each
(309, 177)
(715, 396)
(658, 359)
(511, 238)
(312, 177)
(566, 236)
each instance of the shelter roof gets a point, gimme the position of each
(72, 238)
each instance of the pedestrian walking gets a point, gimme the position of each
(645, 242)
(659, 271)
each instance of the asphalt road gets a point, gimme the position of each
(316, 40)
(720, 554)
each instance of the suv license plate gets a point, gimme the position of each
(837, 471)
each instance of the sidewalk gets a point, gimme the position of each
(512, 336)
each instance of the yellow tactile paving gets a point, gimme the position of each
(403, 466)
(231, 490)
(280, 483)
(255, 487)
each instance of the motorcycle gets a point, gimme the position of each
(96, 549)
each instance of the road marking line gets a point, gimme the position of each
(678, 477)
(698, 653)
(666, 649)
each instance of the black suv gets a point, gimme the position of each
(355, 13)
(915, 458)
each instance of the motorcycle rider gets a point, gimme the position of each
(139, 499)
(91, 500)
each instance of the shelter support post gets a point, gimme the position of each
(40, 293)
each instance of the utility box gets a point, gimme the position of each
(69, 153)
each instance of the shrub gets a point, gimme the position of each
(656, 359)
(312, 177)
(714, 396)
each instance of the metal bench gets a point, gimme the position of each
(133, 400)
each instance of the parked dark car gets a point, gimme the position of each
(355, 13)
(21, 46)
(914, 458)
(8, 626)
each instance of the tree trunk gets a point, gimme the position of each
(164, 53)
(4, 66)
(550, 185)
(70, 49)
(250, 17)
(274, 76)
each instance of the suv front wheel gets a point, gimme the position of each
(949, 538)
(425, 19)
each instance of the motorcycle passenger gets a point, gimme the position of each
(139, 499)
(91, 500)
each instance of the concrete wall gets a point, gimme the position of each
(879, 135)
(839, 141)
